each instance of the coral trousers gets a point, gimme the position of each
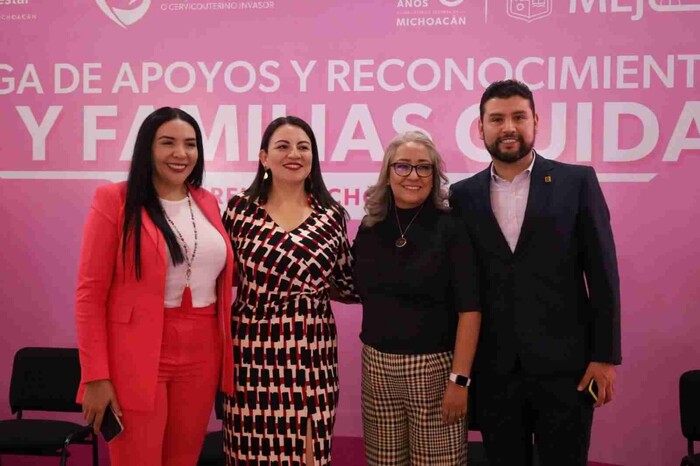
(188, 377)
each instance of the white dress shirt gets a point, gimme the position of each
(508, 202)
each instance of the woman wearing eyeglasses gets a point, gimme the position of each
(416, 275)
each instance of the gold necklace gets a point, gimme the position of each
(401, 241)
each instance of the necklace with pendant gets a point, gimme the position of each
(401, 241)
(187, 293)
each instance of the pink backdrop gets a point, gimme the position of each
(615, 86)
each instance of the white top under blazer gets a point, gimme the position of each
(208, 262)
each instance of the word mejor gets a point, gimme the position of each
(635, 8)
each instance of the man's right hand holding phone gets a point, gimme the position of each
(604, 376)
(99, 394)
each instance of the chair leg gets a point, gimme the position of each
(64, 451)
(95, 456)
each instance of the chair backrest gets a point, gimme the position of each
(45, 379)
(689, 388)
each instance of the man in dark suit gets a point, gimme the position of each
(549, 290)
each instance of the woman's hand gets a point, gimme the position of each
(454, 403)
(98, 395)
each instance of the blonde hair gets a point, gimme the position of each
(378, 197)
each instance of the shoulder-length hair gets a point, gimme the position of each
(141, 192)
(378, 198)
(259, 189)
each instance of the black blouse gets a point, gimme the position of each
(411, 295)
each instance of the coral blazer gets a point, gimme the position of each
(119, 318)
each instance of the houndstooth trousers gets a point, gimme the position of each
(402, 411)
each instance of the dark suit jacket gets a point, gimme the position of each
(554, 303)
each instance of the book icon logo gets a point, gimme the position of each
(529, 10)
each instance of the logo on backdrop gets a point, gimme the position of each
(16, 14)
(429, 14)
(529, 10)
(124, 17)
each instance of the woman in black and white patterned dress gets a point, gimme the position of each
(291, 248)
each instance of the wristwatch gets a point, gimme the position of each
(461, 380)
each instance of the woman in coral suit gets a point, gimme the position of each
(154, 298)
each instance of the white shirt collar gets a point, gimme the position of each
(528, 170)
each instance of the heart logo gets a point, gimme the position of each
(124, 17)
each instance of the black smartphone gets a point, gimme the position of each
(593, 390)
(111, 424)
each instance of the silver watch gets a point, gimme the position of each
(459, 379)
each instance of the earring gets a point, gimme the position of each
(266, 176)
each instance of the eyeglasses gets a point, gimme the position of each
(404, 169)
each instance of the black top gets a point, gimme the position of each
(411, 295)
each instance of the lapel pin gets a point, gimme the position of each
(547, 179)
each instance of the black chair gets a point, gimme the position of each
(689, 388)
(44, 379)
(213, 448)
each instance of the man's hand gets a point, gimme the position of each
(454, 403)
(604, 375)
(98, 395)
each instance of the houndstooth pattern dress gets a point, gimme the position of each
(284, 334)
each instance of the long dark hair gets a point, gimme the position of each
(259, 189)
(140, 191)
